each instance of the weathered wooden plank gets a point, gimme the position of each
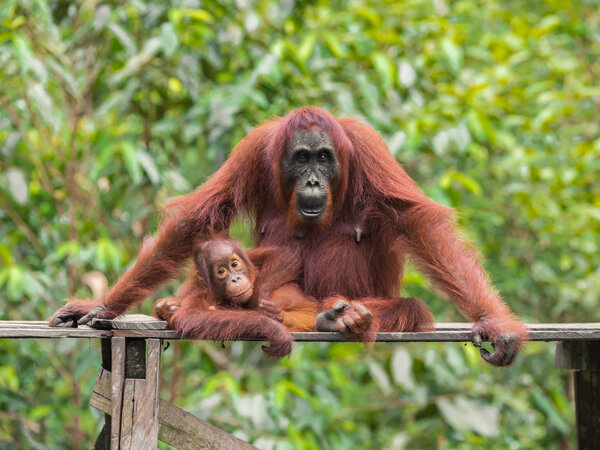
(23, 323)
(103, 441)
(159, 334)
(101, 394)
(448, 326)
(52, 333)
(587, 408)
(130, 322)
(153, 323)
(445, 332)
(160, 324)
(434, 336)
(584, 357)
(578, 355)
(117, 390)
(178, 428)
(152, 390)
(139, 418)
(449, 336)
(455, 334)
(185, 431)
(437, 336)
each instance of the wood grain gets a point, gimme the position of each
(584, 357)
(587, 408)
(139, 413)
(117, 387)
(130, 322)
(45, 332)
(578, 355)
(178, 428)
(445, 332)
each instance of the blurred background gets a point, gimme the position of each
(107, 109)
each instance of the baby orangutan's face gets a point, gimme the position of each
(231, 280)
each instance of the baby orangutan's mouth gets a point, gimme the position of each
(242, 297)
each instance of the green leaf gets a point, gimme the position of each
(101, 17)
(108, 255)
(396, 142)
(23, 52)
(380, 376)
(480, 126)
(453, 55)
(9, 378)
(136, 62)
(17, 185)
(169, 38)
(384, 69)
(40, 412)
(468, 182)
(200, 15)
(307, 46)
(414, 278)
(4, 273)
(283, 388)
(406, 74)
(14, 282)
(5, 256)
(132, 161)
(547, 24)
(124, 38)
(147, 162)
(66, 248)
(45, 106)
(334, 45)
(402, 369)
(464, 414)
(544, 404)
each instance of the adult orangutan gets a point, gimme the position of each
(329, 190)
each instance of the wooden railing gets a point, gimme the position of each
(126, 388)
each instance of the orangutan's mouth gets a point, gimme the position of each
(240, 295)
(311, 214)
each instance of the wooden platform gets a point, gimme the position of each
(143, 327)
(127, 388)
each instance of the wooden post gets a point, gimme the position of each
(103, 440)
(584, 358)
(134, 393)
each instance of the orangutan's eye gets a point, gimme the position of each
(302, 156)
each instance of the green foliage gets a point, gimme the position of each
(107, 109)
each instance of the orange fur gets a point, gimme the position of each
(373, 194)
(199, 314)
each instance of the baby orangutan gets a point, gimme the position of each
(232, 295)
